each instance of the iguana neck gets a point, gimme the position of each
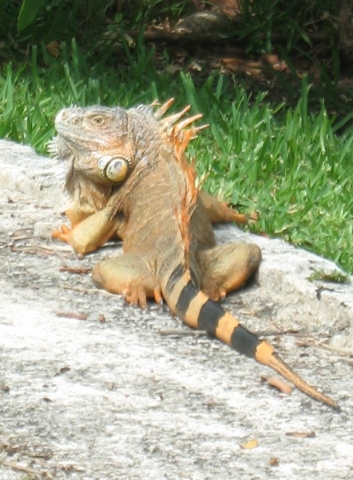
(85, 191)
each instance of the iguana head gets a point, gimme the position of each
(97, 139)
(112, 147)
(106, 144)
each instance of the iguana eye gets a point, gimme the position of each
(97, 120)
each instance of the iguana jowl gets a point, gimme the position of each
(129, 177)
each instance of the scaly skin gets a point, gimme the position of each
(92, 193)
(169, 249)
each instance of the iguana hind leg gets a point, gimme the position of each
(219, 211)
(227, 267)
(128, 275)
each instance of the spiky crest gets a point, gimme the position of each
(163, 108)
(180, 138)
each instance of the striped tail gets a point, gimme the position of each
(195, 309)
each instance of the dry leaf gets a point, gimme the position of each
(279, 384)
(275, 62)
(233, 64)
(253, 71)
(54, 48)
(77, 316)
(254, 216)
(195, 66)
(101, 318)
(77, 270)
(62, 371)
(250, 444)
(301, 434)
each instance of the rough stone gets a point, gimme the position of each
(134, 394)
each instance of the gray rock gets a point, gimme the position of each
(140, 396)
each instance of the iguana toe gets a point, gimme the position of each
(136, 296)
(213, 290)
(64, 234)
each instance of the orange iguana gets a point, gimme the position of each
(129, 177)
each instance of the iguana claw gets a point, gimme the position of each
(137, 295)
(64, 234)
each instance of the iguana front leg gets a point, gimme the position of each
(227, 267)
(128, 275)
(89, 231)
(92, 232)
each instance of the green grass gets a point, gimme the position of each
(287, 163)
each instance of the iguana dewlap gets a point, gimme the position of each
(129, 176)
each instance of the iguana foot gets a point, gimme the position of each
(128, 275)
(219, 211)
(138, 294)
(213, 290)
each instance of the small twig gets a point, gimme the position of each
(78, 270)
(209, 38)
(29, 471)
(278, 383)
(89, 290)
(20, 239)
(63, 248)
(76, 316)
(312, 341)
(277, 333)
(35, 250)
(349, 362)
(182, 333)
(306, 342)
(301, 434)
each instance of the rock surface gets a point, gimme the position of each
(126, 394)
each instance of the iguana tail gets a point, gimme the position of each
(195, 309)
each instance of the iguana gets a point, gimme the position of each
(129, 177)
